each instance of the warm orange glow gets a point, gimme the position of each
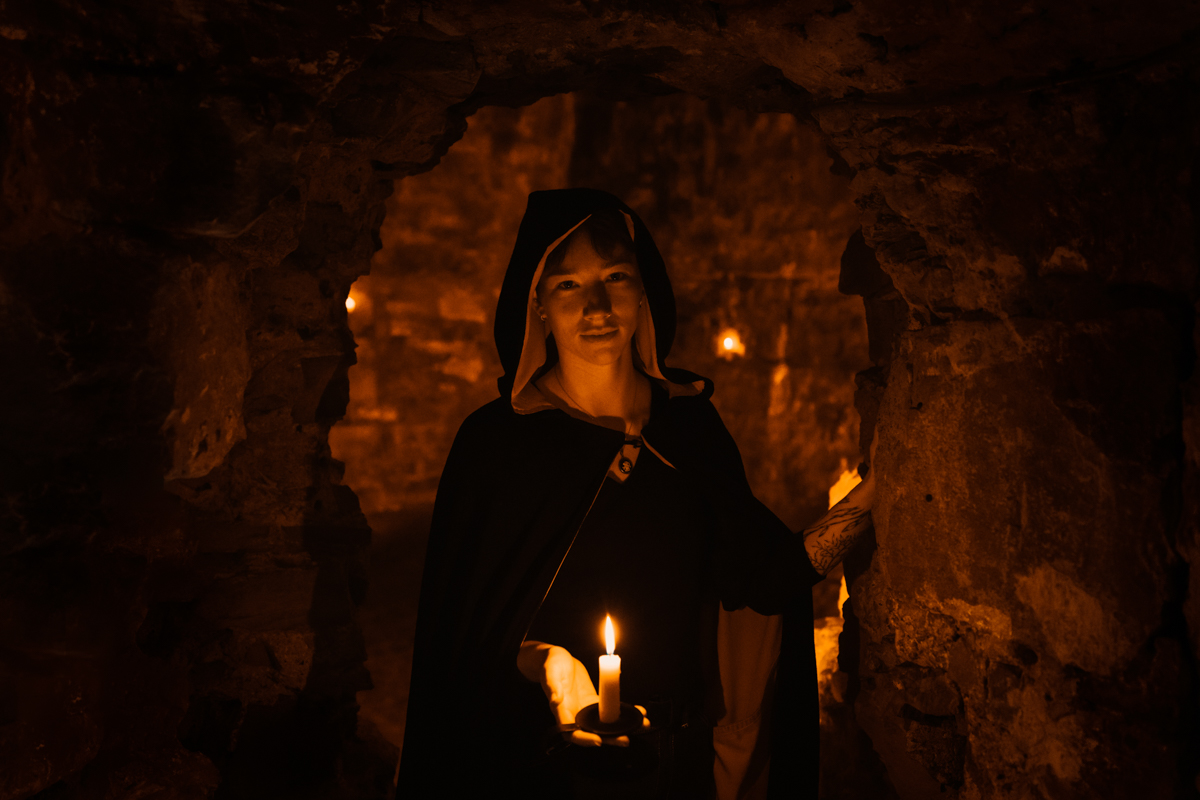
(610, 639)
(350, 304)
(826, 630)
(729, 344)
(845, 482)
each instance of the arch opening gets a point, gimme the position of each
(752, 221)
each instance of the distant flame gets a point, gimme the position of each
(610, 639)
(729, 344)
(350, 304)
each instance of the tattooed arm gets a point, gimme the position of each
(832, 536)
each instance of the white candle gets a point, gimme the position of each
(610, 677)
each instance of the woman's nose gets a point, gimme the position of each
(598, 304)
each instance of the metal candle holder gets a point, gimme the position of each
(588, 719)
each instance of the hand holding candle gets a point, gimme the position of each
(573, 698)
(610, 677)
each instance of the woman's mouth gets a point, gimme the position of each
(600, 336)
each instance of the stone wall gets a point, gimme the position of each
(189, 191)
(1022, 631)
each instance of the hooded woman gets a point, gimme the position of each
(600, 482)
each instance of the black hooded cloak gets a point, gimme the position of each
(516, 489)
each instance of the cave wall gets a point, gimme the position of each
(189, 191)
(1022, 626)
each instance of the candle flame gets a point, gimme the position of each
(350, 304)
(610, 639)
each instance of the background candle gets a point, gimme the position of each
(610, 677)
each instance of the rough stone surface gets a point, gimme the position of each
(189, 190)
(1003, 651)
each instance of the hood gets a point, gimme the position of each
(550, 217)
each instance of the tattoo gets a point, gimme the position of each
(829, 539)
(826, 555)
(837, 517)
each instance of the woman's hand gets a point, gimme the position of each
(568, 686)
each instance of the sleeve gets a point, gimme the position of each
(459, 495)
(440, 627)
(758, 562)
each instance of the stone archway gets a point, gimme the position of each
(752, 225)
(187, 197)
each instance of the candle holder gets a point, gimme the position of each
(588, 719)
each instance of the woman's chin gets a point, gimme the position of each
(601, 353)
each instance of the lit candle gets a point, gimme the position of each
(610, 677)
(729, 344)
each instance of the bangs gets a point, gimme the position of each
(609, 235)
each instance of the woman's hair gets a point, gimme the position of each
(609, 236)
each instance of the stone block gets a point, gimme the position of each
(275, 600)
(201, 317)
(58, 727)
(1024, 561)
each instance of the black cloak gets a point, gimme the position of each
(514, 492)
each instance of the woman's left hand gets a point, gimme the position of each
(569, 688)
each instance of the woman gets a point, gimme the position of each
(601, 481)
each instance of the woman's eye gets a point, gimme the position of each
(617, 276)
(566, 284)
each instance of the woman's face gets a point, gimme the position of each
(590, 303)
